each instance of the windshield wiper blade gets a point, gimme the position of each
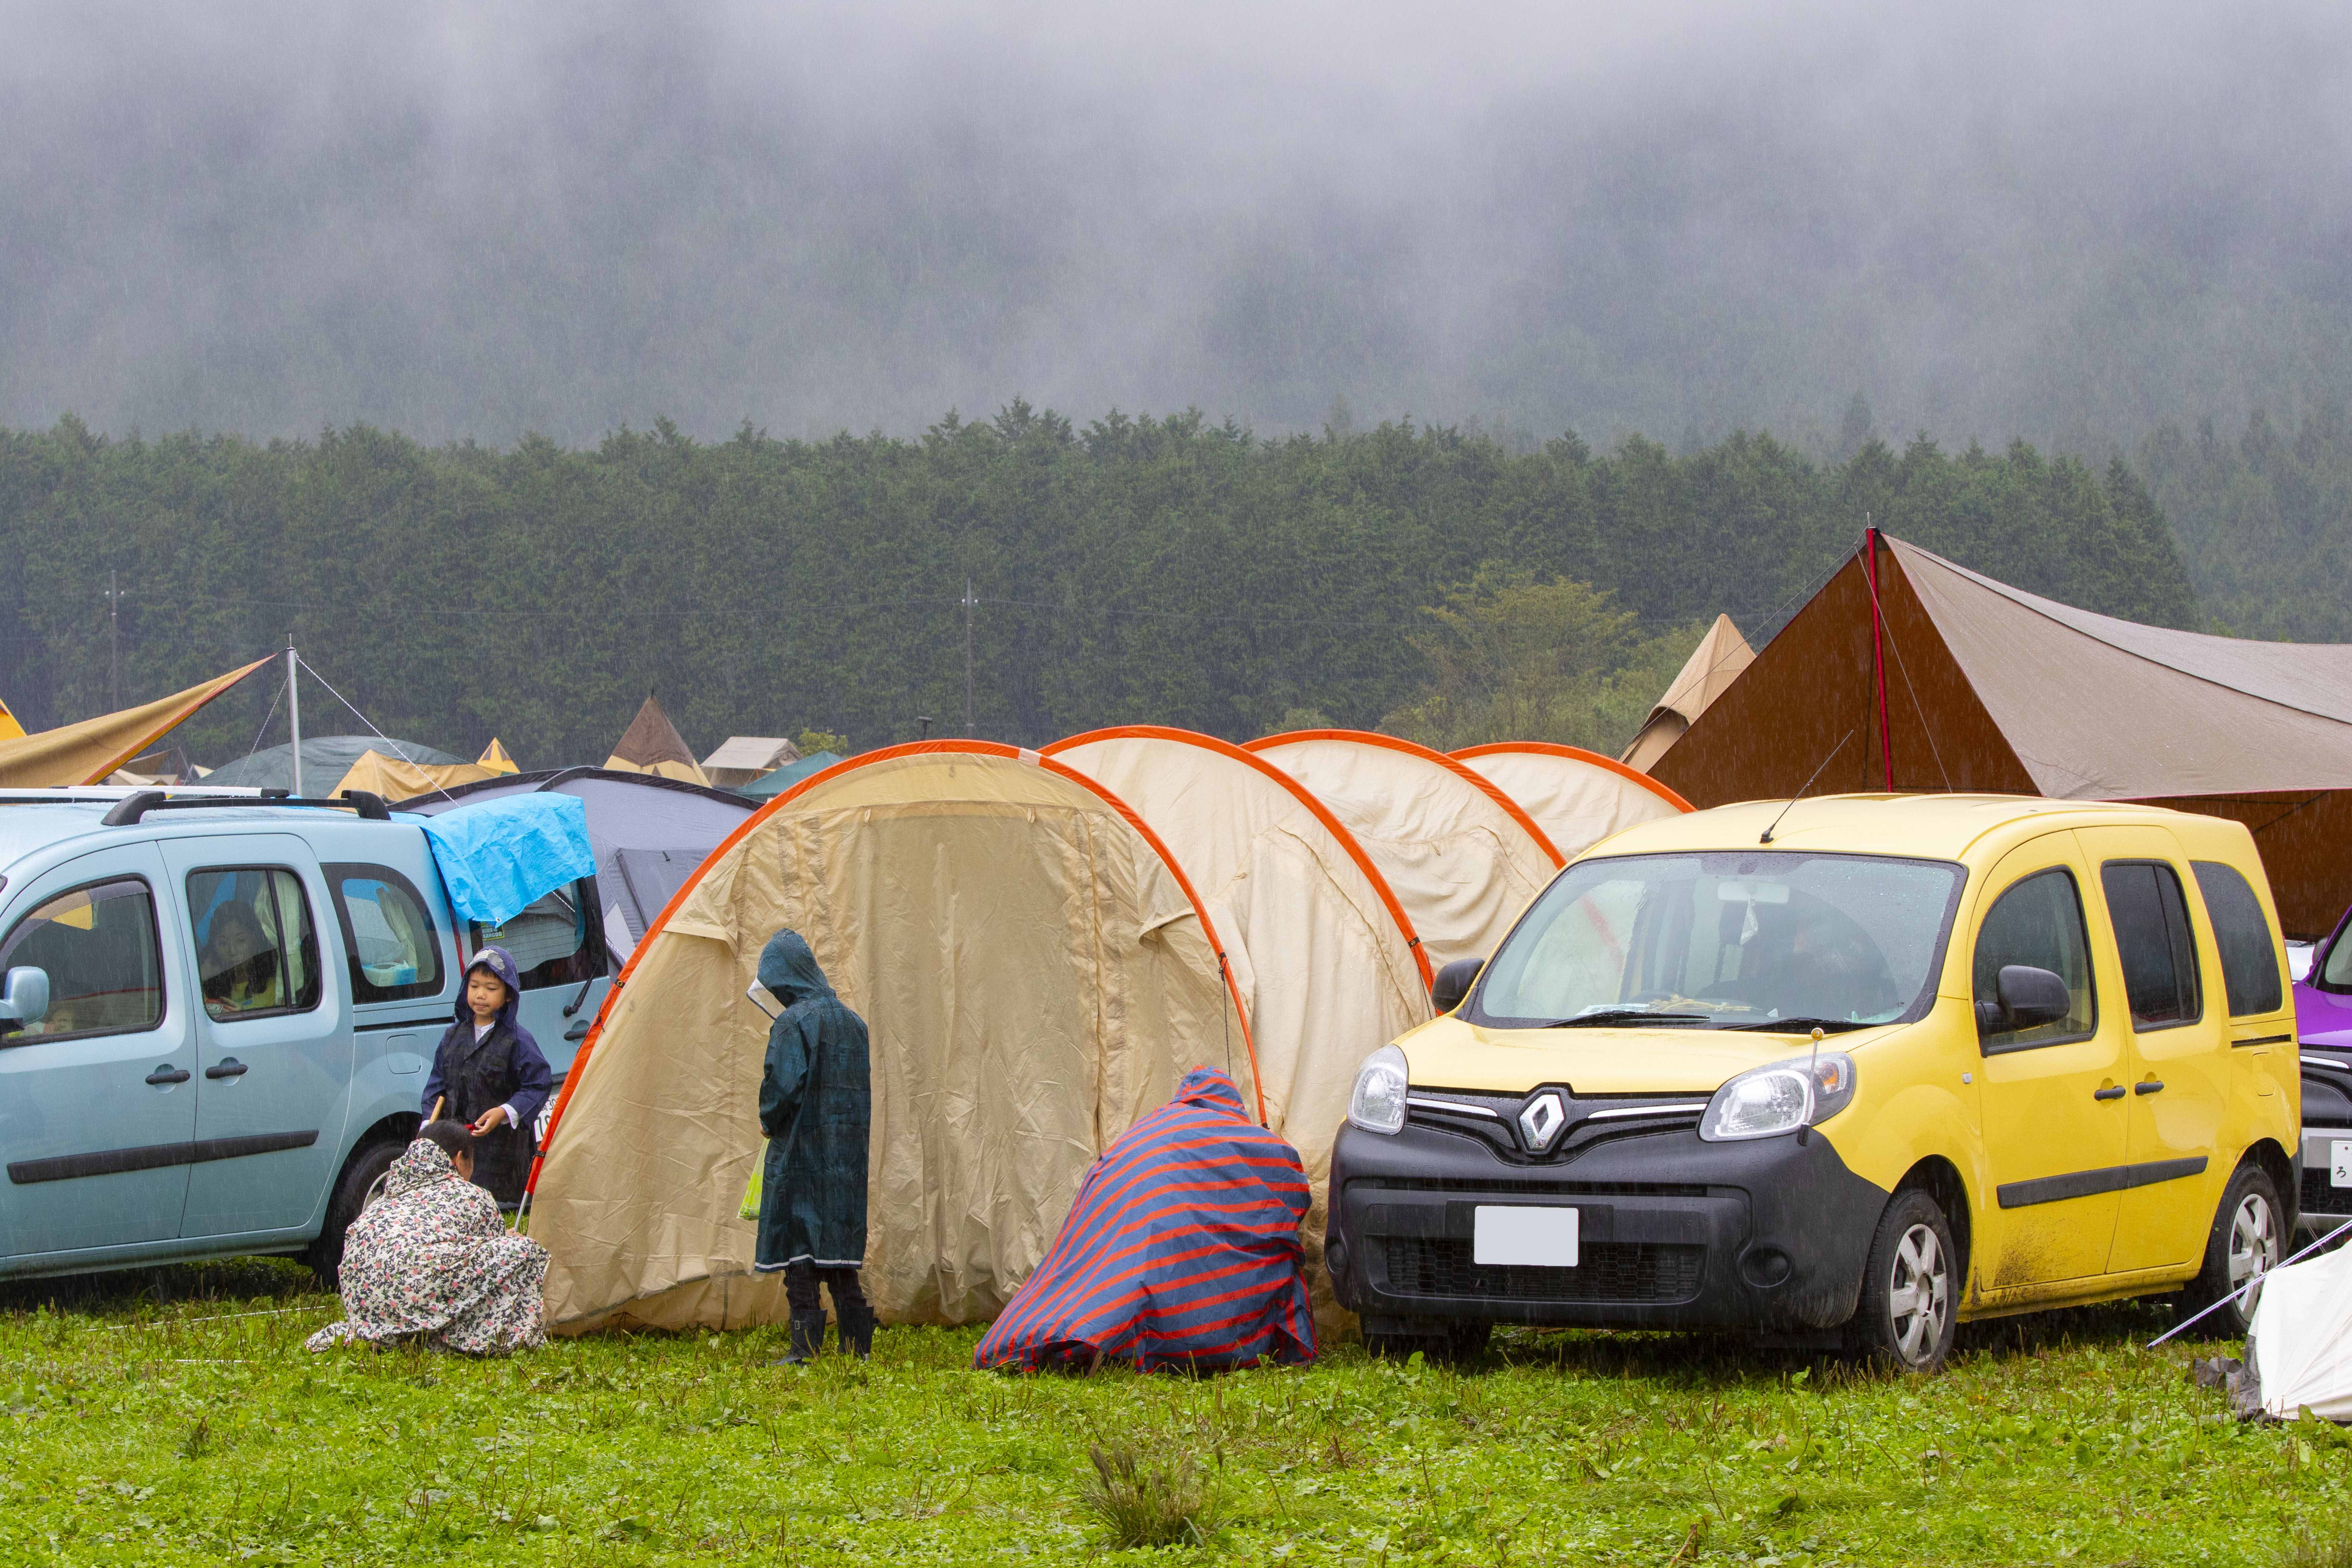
(1797, 1026)
(1622, 1014)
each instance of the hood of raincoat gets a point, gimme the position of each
(788, 969)
(1212, 1089)
(500, 962)
(421, 1165)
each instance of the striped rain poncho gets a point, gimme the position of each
(1182, 1249)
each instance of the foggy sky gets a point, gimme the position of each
(475, 220)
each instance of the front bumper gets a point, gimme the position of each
(2324, 1204)
(1675, 1232)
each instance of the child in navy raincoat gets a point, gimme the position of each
(493, 1074)
(816, 1106)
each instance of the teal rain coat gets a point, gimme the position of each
(815, 1106)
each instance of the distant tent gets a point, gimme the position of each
(9, 728)
(1460, 855)
(1990, 688)
(769, 786)
(1324, 955)
(1035, 972)
(395, 778)
(87, 751)
(739, 759)
(496, 758)
(325, 759)
(1706, 675)
(652, 744)
(1577, 798)
(648, 834)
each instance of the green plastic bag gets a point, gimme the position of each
(750, 1208)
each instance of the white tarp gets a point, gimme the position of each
(2301, 1339)
(1577, 798)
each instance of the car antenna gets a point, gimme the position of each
(1804, 1133)
(1793, 799)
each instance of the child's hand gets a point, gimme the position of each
(494, 1117)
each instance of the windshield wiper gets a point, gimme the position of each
(1622, 1014)
(1798, 1026)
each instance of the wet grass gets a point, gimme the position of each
(149, 1420)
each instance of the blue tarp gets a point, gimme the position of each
(498, 856)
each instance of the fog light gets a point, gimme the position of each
(1766, 1266)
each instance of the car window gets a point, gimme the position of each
(394, 954)
(2037, 922)
(2250, 969)
(99, 948)
(2153, 940)
(256, 949)
(550, 942)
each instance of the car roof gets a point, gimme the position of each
(1937, 827)
(35, 819)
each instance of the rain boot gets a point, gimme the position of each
(857, 1330)
(808, 1339)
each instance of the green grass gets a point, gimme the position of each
(136, 1434)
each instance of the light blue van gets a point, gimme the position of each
(217, 1013)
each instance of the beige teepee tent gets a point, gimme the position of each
(1459, 853)
(1034, 973)
(652, 744)
(1578, 797)
(1711, 669)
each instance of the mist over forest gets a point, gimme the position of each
(2073, 224)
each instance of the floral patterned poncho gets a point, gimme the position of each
(430, 1258)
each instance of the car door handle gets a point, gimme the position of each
(167, 1073)
(2147, 1086)
(227, 1067)
(2113, 1091)
(578, 1031)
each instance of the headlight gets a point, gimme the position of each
(1376, 1103)
(1767, 1102)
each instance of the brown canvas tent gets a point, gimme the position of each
(1963, 683)
(1706, 675)
(87, 751)
(652, 744)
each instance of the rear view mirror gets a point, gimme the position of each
(1454, 983)
(25, 999)
(2029, 998)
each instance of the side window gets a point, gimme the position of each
(394, 954)
(559, 941)
(2037, 922)
(2153, 939)
(104, 960)
(2250, 970)
(256, 949)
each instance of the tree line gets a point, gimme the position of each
(1131, 570)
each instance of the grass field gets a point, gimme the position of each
(149, 1423)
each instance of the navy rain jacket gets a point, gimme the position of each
(816, 1106)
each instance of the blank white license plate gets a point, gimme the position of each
(1528, 1236)
(2339, 1160)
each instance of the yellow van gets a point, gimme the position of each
(1864, 1065)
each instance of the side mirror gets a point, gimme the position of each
(25, 998)
(1454, 983)
(2029, 998)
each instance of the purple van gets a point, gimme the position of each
(2323, 1015)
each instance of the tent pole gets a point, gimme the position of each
(294, 712)
(1878, 654)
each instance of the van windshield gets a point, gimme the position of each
(1740, 938)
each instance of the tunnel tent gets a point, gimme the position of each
(1987, 688)
(325, 759)
(1324, 956)
(1706, 675)
(1461, 856)
(1578, 797)
(651, 744)
(647, 832)
(1035, 972)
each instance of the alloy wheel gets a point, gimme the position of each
(1919, 1294)
(2253, 1246)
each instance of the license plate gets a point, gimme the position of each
(1529, 1236)
(2339, 1159)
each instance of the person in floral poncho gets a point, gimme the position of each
(430, 1258)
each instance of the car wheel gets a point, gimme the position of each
(1906, 1319)
(2243, 1246)
(352, 1194)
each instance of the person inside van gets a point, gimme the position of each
(430, 1261)
(241, 962)
(493, 1075)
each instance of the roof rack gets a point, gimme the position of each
(130, 808)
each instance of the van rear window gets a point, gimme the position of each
(2250, 965)
(394, 953)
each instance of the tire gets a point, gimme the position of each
(2244, 1242)
(1910, 1287)
(366, 1167)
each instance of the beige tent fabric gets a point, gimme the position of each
(1033, 976)
(396, 778)
(87, 751)
(1328, 963)
(1461, 861)
(1712, 667)
(1577, 798)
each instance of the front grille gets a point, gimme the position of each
(1606, 1271)
(2320, 1196)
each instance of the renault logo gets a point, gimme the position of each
(1541, 1119)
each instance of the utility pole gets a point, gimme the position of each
(294, 711)
(969, 732)
(113, 643)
